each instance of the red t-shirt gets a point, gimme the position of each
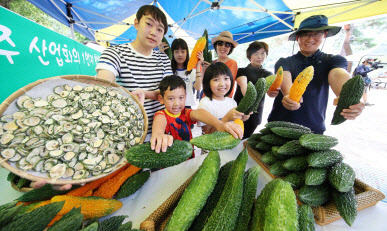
(178, 126)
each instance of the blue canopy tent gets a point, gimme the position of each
(111, 21)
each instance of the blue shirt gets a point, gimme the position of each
(362, 70)
(312, 111)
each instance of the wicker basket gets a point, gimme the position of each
(92, 80)
(159, 218)
(366, 196)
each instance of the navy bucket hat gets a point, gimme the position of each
(315, 23)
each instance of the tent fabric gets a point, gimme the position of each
(337, 11)
(112, 21)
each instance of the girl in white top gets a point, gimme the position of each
(179, 62)
(217, 85)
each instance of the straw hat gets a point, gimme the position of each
(315, 23)
(224, 36)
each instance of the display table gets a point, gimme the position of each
(163, 183)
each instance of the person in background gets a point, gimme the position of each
(179, 62)
(363, 70)
(256, 53)
(174, 122)
(329, 71)
(217, 85)
(223, 46)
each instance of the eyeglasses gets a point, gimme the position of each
(226, 44)
(314, 35)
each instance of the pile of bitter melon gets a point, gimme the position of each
(308, 162)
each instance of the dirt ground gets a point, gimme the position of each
(363, 142)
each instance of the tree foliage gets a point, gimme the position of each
(31, 12)
(362, 38)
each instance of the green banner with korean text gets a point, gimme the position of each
(29, 52)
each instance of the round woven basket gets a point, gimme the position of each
(92, 80)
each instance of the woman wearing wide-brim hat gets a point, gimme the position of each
(224, 44)
(329, 71)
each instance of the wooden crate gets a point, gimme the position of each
(366, 196)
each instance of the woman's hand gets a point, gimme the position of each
(290, 104)
(163, 46)
(200, 57)
(273, 94)
(41, 183)
(161, 142)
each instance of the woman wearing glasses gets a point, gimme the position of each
(224, 45)
(256, 53)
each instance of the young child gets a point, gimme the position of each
(179, 62)
(217, 86)
(175, 121)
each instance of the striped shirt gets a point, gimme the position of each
(136, 71)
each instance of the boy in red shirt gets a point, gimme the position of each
(174, 122)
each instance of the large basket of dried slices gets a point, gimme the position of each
(69, 129)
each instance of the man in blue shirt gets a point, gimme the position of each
(363, 70)
(329, 70)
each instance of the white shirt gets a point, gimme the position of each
(216, 107)
(189, 81)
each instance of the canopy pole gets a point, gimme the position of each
(273, 15)
(260, 30)
(185, 19)
(362, 5)
(71, 20)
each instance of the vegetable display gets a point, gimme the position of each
(310, 165)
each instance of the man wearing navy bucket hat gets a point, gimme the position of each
(329, 70)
